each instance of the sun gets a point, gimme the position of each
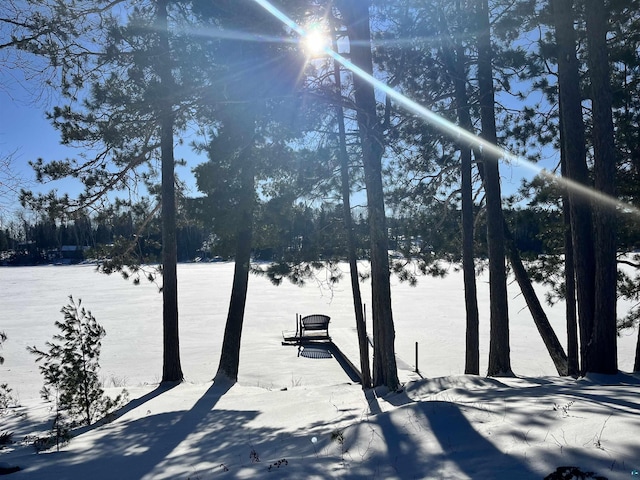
(315, 41)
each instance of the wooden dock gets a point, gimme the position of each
(327, 344)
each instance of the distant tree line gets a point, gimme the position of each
(305, 234)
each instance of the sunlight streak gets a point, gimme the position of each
(219, 33)
(459, 134)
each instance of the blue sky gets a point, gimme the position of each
(26, 135)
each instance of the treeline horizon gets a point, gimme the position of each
(314, 234)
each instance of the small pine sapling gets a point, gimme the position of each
(338, 437)
(70, 368)
(7, 400)
(6, 438)
(3, 337)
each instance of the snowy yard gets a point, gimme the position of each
(296, 417)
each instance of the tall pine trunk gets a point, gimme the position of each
(361, 327)
(575, 153)
(455, 60)
(356, 16)
(230, 356)
(636, 364)
(171, 368)
(241, 126)
(548, 335)
(603, 349)
(499, 350)
(472, 336)
(573, 364)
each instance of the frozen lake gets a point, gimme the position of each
(431, 313)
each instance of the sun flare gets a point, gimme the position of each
(315, 41)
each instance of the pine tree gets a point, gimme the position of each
(456, 64)
(247, 115)
(343, 155)
(499, 350)
(3, 338)
(356, 17)
(603, 350)
(573, 135)
(70, 367)
(127, 118)
(171, 367)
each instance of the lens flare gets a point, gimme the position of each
(315, 41)
(451, 129)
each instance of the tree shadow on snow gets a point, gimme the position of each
(199, 442)
(455, 443)
(538, 414)
(128, 407)
(472, 453)
(131, 448)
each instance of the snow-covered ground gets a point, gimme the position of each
(291, 416)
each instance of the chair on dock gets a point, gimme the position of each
(314, 327)
(309, 328)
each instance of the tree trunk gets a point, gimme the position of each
(241, 132)
(472, 337)
(636, 364)
(499, 354)
(171, 368)
(356, 16)
(573, 364)
(549, 337)
(603, 357)
(230, 356)
(455, 63)
(574, 147)
(361, 326)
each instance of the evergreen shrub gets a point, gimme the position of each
(70, 366)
